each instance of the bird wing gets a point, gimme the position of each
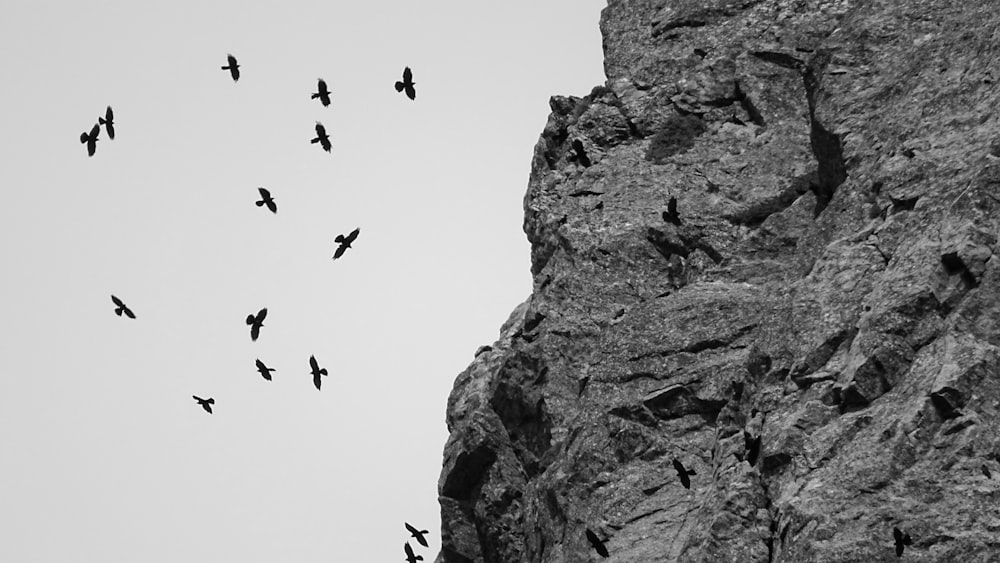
(199, 399)
(411, 529)
(264, 193)
(261, 314)
(232, 61)
(407, 75)
(116, 301)
(672, 206)
(411, 92)
(320, 130)
(897, 535)
(273, 207)
(408, 549)
(128, 312)
(254, 331)
(313, 363)
(261, 367)
(354, 234)
(679, 467)
(95, 130)
(321, 86)
(317, 381)
(340, 251)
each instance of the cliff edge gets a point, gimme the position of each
(812, 326)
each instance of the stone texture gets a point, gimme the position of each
(830, 290)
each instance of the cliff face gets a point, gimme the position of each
(816, 333)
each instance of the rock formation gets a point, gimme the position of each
(829, 299)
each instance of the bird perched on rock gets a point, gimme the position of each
(322, 93)
(321, 137)
(417, 534)
(232, 67)
(345, 242)
(264, 371)
(255, 322)
(316, 372)
(670, 215)
(900, 540)
(683, 474)
(597, 544)
(205, 403)
(407, 84)
(410, 557)
(90, 139)
(121, 308)
(108, 121)
(266, 199)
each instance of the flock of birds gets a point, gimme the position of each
(256, 321)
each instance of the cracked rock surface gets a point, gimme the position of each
(817, 337)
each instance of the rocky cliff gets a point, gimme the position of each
(813, 327)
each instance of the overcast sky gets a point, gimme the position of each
(105, 455)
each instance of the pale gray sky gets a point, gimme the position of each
(105, 455)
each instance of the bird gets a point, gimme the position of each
(232, 67)
(418, 534)
(321, 137)
(266, 199)
(322, 93)
(752, 444)
(121, 308)
(901, 540)
(410, 557)
(255, 322)
(108, 121)
(91, 139)
(205, 403)
(264, 370)
(407, 84)
(597, 543)
(581, 153)
(683, 474)
(316, 371)
(345, 242)
(670, 215)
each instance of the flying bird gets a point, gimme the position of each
(232, 67)
(108, 121)
(407, 84)
(122, 308)
(205, 403)
(264, 370)
(597, 543)
(410, 557)
(266, 199)
(670, 215)
(322, 93)
(418, 534)
(316, 371)
(321, 137)
(683, 474)
(901, 540)
(91, 139)
(255, 322)
(345, 242)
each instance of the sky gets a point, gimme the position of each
(106, 456)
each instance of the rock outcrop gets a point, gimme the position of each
(817, 337)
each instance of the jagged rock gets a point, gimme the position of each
(829, 302)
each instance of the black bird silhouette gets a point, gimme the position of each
(205, 403)
(683, 474)
(122, 308)
(91, 138)
(264, 370)
(256, 322)
(670, 215)
(407, 84)
(321, 137)
(316, 372)
(752, 444)
(108, 121)
(597, 543)
(322, 93)
(232, 67)
(266, 199)
(581, 153)
(345, 242)
(901, 540)
(410, 557)
(418, 534)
